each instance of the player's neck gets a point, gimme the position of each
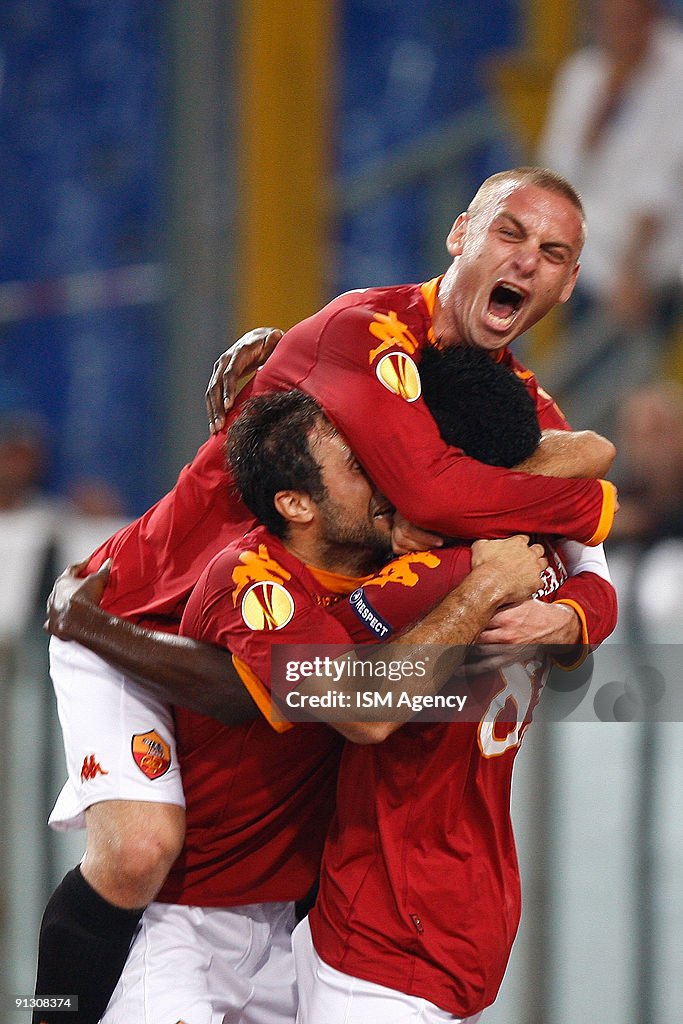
(444, 321)
(340, 559)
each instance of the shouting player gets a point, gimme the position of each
(515, 254)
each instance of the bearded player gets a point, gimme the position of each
(515, 254)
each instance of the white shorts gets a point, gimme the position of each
(326, 996)
(195, 965)
(119, 741)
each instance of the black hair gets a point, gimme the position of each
(479, 405)
(268, 451)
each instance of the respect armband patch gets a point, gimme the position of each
(370, 618)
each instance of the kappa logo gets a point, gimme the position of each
(554, 575)
(91, 768)
(391, 333)
(267, 606)
(399, 374)
(256, 567)
(151, 754)
(401, 569)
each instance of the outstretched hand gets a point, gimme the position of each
(71, 589)
(245, 356)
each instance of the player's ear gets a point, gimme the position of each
(456, 236)
(569, 286)
(294, 506)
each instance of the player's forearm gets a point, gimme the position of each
(561, 453)
(178, 669)
(456, 622)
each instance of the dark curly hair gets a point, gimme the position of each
(479, 405)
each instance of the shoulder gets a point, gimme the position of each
(365, 305)
(254, 561)
(253, 582)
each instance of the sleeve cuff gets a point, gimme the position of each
(609, 508)
(584, 648)
(260, 695)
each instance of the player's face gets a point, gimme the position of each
(516, 258)
(353, 515)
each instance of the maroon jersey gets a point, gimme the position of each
(411, 585)
(420, 885)
(259, 801)
(359, 358)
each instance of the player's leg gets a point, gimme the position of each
(269, 970)
(124, 786)
(326, 994)
(166, 978)
(208, 965)
(131, 846)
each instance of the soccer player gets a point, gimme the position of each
(231, 857)
(515, 255)
(216, 943)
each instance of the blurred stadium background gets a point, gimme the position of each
(172, 174)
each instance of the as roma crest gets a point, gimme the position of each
(151, 754)
(267, 605)
(399, 374)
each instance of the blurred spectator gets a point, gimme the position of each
(646, 544)
(614, 129)
(650, 443)
(27, 519)
(40, 533)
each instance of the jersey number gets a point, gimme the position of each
(507, 716)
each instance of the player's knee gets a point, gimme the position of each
(128, 857)
(150, 852)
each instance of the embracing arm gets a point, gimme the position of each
(503, 571)
(242, 359)
(178, 669)
(577, 453)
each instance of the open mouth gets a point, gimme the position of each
(505, 302)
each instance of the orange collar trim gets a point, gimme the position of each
(429, 292)
(335, 582)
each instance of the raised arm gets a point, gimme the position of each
(177, 669)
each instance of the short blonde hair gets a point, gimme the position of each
(542, 177)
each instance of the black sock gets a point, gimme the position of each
(83, 945)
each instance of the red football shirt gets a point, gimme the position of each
(420, 889)
(258, 801)
(358, 357)
(420, 886)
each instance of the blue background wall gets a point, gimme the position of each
(83, 173)
(82, 181)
